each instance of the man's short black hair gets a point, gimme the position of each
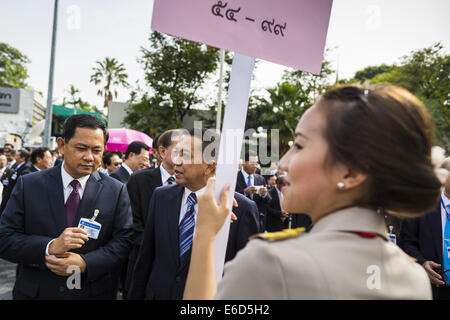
(24, 154)
(107, 157)
(136, 147)
(280, 180)
(82, 121)
(8, 144)
(38, 153)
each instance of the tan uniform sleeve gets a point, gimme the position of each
(262, 271)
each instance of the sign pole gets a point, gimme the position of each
(48, 110)
(231, 143)
(219, 95)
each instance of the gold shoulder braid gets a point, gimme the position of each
(280, 235)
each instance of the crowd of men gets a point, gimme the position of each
(138, 227)
(147, 262)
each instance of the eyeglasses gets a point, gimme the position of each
(116, 164)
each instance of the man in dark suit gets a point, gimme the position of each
(141, 186)
(136, 158)
(41, 159)
(422, 239)
(163, 261)
(10, 176)
(252, 185)
(276, 218)
(38, 229)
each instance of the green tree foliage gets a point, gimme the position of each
(426, 73)
(175, 70)
(370, 72)
(283, 105)
(13, 72)
(108, 74)
(76, 102)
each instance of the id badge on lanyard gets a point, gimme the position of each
(91, 227)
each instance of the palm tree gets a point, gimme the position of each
(111, 73)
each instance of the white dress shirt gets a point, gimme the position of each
(10, 164)
(164, 175)
(280, 195)
(252, 177)
(18, 166)
(67, 188)
(184, 204)
(67, 179)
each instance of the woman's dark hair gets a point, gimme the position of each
(387, 133)
(82, 121)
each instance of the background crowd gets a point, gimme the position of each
(144, 251)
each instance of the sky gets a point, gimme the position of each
(362, 33)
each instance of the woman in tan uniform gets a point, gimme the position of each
(357, 152)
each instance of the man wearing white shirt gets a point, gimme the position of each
(39, 226)
(9, 177)
(112, 162)
(141, 185)
(252, 185)
(163, 261)
(136, 158)
(10, 157)
(41, 159)
(423, 238)
(3, 162)
(2, 169)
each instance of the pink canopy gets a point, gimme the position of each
(120, 138)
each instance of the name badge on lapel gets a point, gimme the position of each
(91, 227)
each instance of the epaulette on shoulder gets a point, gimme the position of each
(412, 258)
(280, 235)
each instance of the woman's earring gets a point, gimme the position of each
(341, 185)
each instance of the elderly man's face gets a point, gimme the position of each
(3, 161)
(191, 170)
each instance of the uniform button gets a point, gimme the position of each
(61, 289)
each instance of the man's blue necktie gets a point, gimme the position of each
(446, 245)
(249, 183)
(186, 228)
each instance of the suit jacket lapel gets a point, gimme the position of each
(156, 178)
(173, 218)
(55, 193)
(434, 218)
(276, 198)
(90, 194)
